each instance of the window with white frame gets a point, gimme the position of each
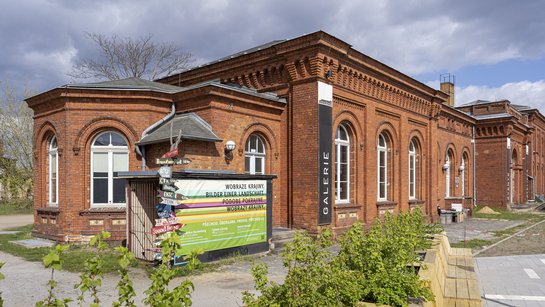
(447, 167)
(412, 169)
(109, 156)
(342, 165)
(52, 178)
(382, 167)
(254, 161)
(463, 174)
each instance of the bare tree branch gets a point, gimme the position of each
(16, 131)
(122, 58)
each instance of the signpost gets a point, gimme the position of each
(171, 195)
(167, 221)
(165, 228)
(172, 161)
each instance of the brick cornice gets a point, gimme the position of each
(311, 56)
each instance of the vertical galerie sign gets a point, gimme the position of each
(325, 158)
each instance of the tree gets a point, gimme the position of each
(122, 58)
(16, 131)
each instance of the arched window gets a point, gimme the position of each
(254, 162)
(52, 177)
(463, 173)
(447, 167)
(342, 165)
(382, 166)
(412, 169)
(109, 156)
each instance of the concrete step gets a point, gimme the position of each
(280, 237)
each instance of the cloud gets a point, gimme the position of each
(415, 37)
(523, 93)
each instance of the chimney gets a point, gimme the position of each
(447, 86)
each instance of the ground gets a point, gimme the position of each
(25, 281)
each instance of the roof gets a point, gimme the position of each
(492, 116)
(474, 103)
(237, 88)
(145, 85)
(244, 52)
(520, 107)
(193, 128)
(132, 83)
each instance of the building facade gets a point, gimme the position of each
(348, 137)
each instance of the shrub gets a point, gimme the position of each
(374, 266)
(54, 261)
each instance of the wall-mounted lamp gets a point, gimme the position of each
(328, 74)
(229, 147)
(462, 168)
(446, 166)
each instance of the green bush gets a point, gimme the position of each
(376, 265)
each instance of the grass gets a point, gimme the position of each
(504, 214)
(16, 206)
(74, 257)
(475, 243)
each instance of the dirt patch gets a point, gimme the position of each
(487, 210)
(529, 242)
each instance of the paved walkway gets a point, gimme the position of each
(477, 229)
(512, 280)
(224, 287)
(10, 221)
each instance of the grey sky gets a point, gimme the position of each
(39, 39)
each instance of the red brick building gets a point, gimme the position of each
(348, 137)
(509, 152)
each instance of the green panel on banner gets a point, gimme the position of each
(221, 214)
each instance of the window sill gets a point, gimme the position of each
(346, 205)
(454, 198)
(104, 210)
(48, 210)
(416, 201)
(386, 203)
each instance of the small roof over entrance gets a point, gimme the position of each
(193, 128)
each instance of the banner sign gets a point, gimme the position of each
(220, 214)
(325, 158)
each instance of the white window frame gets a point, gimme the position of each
(255, 155)
(339, 160)
(412, 169)
(110, 150)
(448, 164)
(53, 155)
(463, 174)
(382, 149)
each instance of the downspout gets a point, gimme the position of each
(474, 170)
(141, 150)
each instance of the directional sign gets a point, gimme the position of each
(165, 171)
(169, 188)
(167, 221)
(168, 201)
(167, 181)
(172, 195)
(165, 228)
(172, 161)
